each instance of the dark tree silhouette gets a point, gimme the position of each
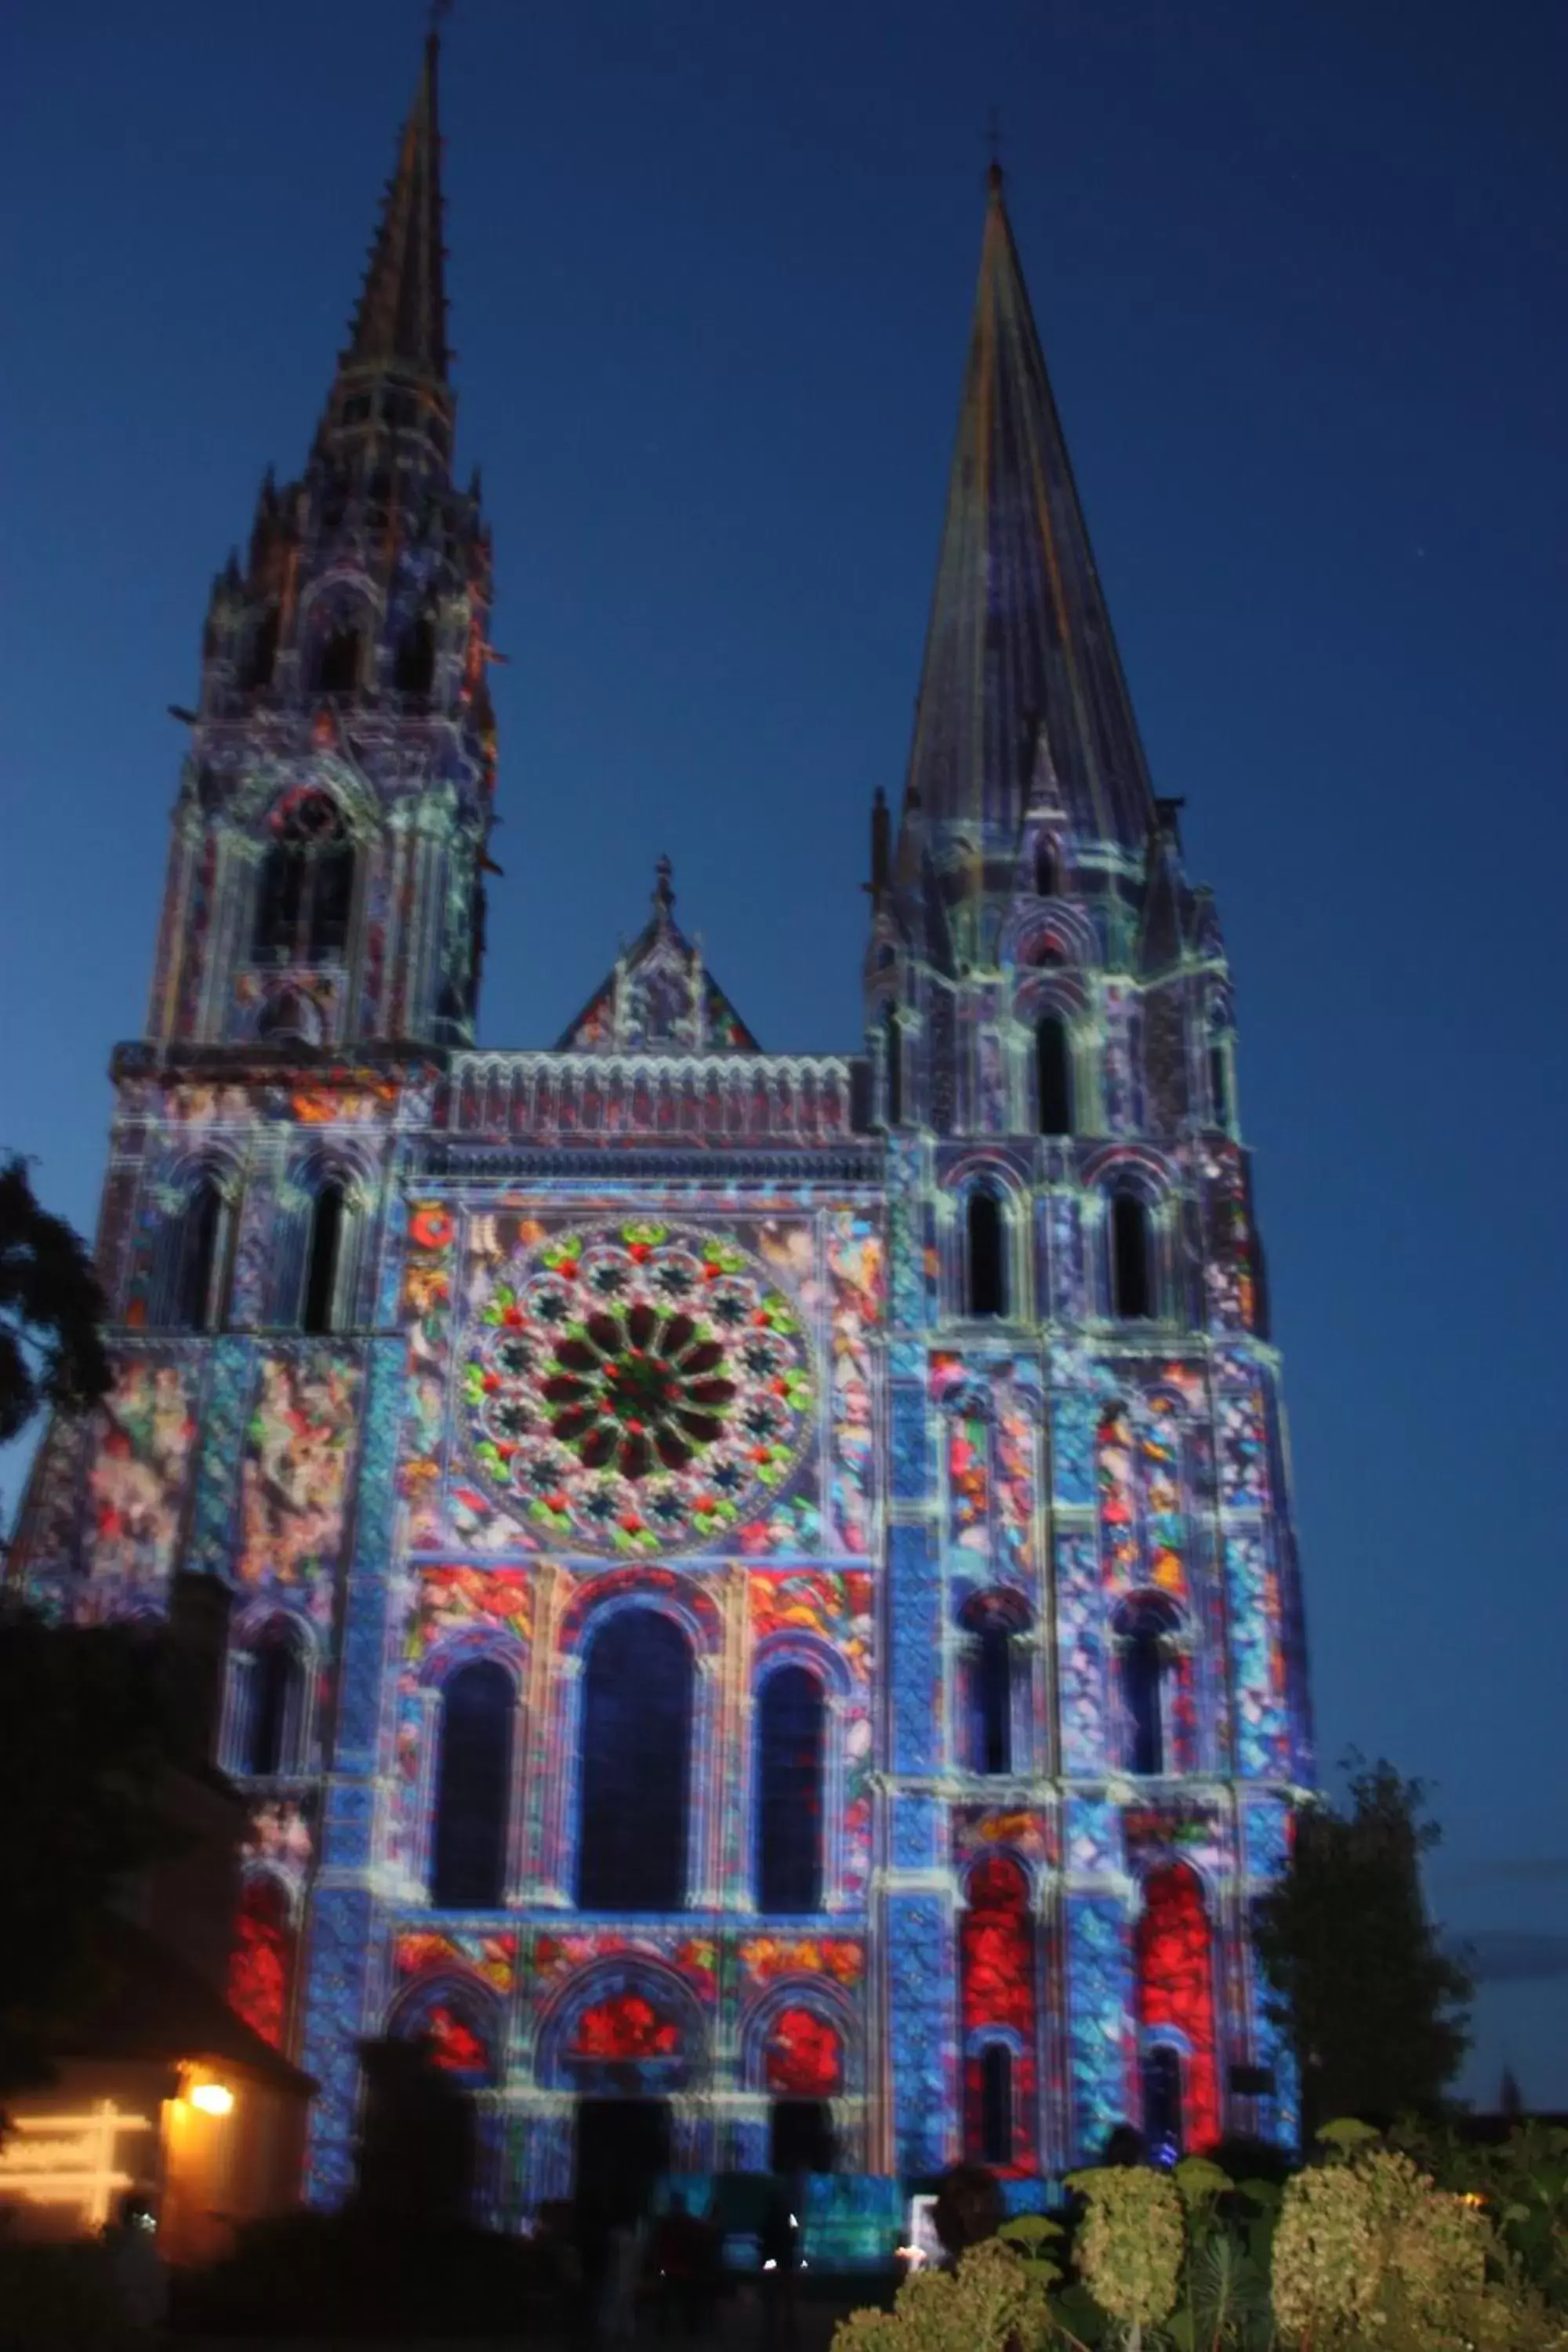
(1377, 2012)
(51, 1351)
(87, 1725)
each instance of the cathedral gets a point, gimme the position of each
(763, 1621)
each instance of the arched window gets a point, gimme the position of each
(1053, 1075)
(1131, 1291)
(323, 1259)
(1175, 1969)
(790, 1740)
(1047, 872)
(306, 884)
(272, 1714)
(986, 1236)
(338, 666)
(195, 1305)
(997, 2103)
(1144, 1628)
(413, 671)
(893, 1063)
(637, 1763)
(992, 1725)
(473, 1776)
(996, 1977)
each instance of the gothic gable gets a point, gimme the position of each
(660, 998)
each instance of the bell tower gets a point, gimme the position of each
(325, 887)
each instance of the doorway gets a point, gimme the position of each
(800, 2137)
(623, 2146)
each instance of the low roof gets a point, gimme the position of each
(155, 2005)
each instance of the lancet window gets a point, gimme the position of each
(985, 1253)
(791, 1756)
(636, 1765)
(1132, 1270)
(307, 883)
(1053, 1076)
(473, 1775)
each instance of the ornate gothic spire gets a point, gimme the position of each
(1019, 639)
(401, 322)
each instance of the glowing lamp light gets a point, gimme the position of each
(211, 2098)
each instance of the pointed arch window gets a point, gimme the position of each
(893, 1063)
(340, 662)
(636, 1765)
(985, 1236)
(1047, 869)
(325, 1253)
(473, 1775)
(1131, 1289)
(200, 1249)
(1053, 1075)
(306, 884)
(790, 1727)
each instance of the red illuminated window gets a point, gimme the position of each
(261, 1964)
(805, 2058)
(996, 1960)
(1175, 1999)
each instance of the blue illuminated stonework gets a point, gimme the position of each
(937, 1373)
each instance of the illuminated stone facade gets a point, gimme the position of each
(762, 1583)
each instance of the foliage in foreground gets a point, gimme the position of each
(51, 1351)
(1363, 2252)
(1375, 2009)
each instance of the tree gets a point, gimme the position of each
(87, 1725)
(51, 1350)
(1376, 2010)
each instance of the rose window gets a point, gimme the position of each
(637, 1388)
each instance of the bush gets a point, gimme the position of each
(59, 2296)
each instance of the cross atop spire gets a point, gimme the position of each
(401, 320)
(1019, 643)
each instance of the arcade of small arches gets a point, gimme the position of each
(627, 2029)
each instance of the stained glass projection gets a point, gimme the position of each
(635, 1389)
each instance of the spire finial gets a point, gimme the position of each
(663, 895)
(994, 175)
(401, 320)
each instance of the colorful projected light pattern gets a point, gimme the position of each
(635, 1388)
(752, 1577)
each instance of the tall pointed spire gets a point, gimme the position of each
(401, 322)
(1019, 639)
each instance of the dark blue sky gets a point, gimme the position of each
(1297, 269)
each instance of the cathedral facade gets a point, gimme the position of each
(763, 1620)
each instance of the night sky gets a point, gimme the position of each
(1297, 270)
